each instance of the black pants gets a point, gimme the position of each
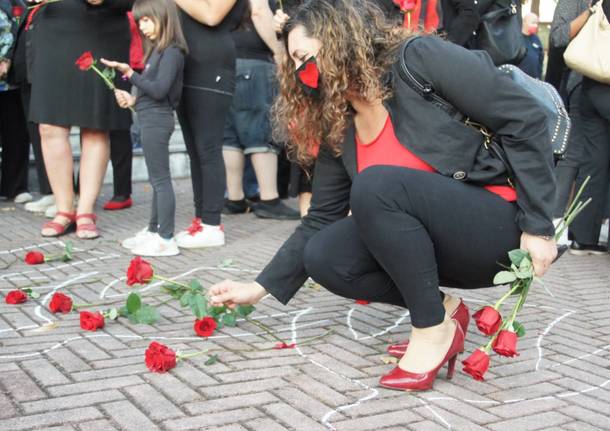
(157, 127)
(44, 188)
(202, 117)
(15, 145)
(595, 121)
(121, 155)
(411, 231)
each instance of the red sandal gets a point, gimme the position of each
(60, 229)
(87, 227)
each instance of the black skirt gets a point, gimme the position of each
(62, 94)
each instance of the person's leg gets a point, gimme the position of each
(265, 167)
(234, 164)
(595, 99)
(15, 145)
(93, 165)
(121, 154)
(58, 162)
(423, 227)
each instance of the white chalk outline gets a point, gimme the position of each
(544, 333)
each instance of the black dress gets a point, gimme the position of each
(62, 94)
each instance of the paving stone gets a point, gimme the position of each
(545, 420)
(212, 419)
(71, 401)
(128, 416)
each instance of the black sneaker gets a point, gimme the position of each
(275, 210)
(583, 249)
(235, 207)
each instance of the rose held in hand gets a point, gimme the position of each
(91, 321)
(85, 61)
(15, 297)
(139, 272)
(488, 320)
(505, 344)
(477, 364)
(60, 303)
(205, 327)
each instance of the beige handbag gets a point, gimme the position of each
(589, 52)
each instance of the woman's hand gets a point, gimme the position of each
(124, 68)
(279, 19)
(5, 65)
(232, 293)
(543, 251)
(124, 98)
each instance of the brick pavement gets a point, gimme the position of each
(68, 379)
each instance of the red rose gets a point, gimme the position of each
(17, 11)
(91, 321)
(139, 271)
(477, 364)
(34, 258)
(60, 303)
(205, 327)
(15, 297)
(280, 346)
(85, 61)
(362, 301)
(405, 5)
(159, 358)
(310, 75)
(505, 344)
(488, 320)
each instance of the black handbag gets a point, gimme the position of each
(557, 118)
(499, 33)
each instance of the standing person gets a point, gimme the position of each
(63, 96)
(534, 57)
(424, 193)
(13, 126)
(158, 94)
(209, 82)
(594, 107)
(248, 128)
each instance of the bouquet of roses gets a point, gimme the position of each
(504, 333)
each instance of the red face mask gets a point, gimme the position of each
(532, 29)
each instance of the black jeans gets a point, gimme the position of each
(595, 121)
(157, 127)
(121, 155)
(15, 145)
(411, 231)
(202, 116)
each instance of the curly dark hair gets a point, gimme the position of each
(358, 45)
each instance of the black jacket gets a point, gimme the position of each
(471, 83)
(459, 20)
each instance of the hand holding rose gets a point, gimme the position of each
(124, 99)
(232, 293)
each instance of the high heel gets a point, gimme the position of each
(461, 314)
(403, 380)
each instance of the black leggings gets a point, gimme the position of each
(202, 117)
(411, 231)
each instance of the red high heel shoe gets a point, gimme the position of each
(461, 314)
(400, 379)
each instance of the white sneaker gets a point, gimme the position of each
(22, 198)
(155, 246)
(138, 239)
(41, 205)
(51, 212)
(201, 236)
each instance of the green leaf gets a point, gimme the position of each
(34, 295)
(68, 251)
(147, 315)
(524, 275)
(229, 319)
(519, 329)
(123, 312)
(199, 306)
(226, 263)
(133, 303)
(212, 360)
(113, 313)
(196, 286)
(217, 311)
(517, 255)
(109, 73)
(504, 277)
(186, 299)
(244, 310)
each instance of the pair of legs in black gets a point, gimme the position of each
(15, 145)
(411, 231)
(202, 115)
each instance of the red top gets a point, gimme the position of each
(387, 150)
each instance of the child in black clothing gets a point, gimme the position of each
(158, 92)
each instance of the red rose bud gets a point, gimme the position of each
(15, 297)
(91, 321)
(60, 303)
(139, 272)
(17, 11)
(362, 301)
(159, 358)
(85, 61)
(477, 364)
(505, 344)
(310, 75)
(280, 346)
(205, 327)
(34, 258)
(488, 320)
